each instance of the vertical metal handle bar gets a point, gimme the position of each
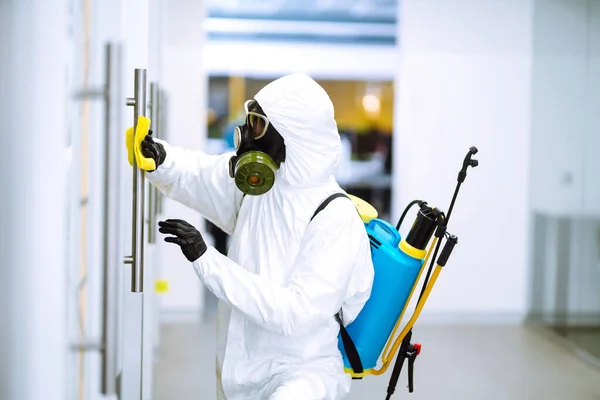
(113, 142)
(152, 191)
(137, 267)
(159, 134)
(156, 112)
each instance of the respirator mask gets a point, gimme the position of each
(260, 150)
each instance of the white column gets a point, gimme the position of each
(465, 80)
(33, 113)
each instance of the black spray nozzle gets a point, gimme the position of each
(468, 162)
(447, 250)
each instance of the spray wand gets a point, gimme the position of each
(408, 350)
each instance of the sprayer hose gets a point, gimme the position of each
(412, 203)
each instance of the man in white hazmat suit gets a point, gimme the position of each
(285, 276)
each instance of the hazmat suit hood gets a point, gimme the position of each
(303, 114)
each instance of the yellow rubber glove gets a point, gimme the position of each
(143, 125)
(129, 144)
(133, 143)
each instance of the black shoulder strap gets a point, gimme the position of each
(327, 201)
(349, 346)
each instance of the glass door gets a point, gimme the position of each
(565, 175)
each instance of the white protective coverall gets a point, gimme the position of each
(284, 279)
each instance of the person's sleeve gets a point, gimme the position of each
(201, 182)
(318, 284)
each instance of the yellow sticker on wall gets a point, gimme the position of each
(161, 286)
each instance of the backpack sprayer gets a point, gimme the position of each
(399, 264)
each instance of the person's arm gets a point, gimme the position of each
(201, 182)
(319, 282)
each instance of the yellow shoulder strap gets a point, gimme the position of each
(367, 211)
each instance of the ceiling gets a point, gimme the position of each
(351, 21)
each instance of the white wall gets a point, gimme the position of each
(464, 80)
(184, 80)
(319, 60)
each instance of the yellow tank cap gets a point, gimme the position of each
(412, 251)
(367, 211)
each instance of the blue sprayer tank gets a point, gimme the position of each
(397, 265)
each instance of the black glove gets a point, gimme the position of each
(186, 236)
(151, 149)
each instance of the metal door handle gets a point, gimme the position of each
(137, 267)
(112, 183)
(107, 345)
(152, 190)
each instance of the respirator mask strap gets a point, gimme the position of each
(232, 162)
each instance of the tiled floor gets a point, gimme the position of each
(463, 363)
(587, 338)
